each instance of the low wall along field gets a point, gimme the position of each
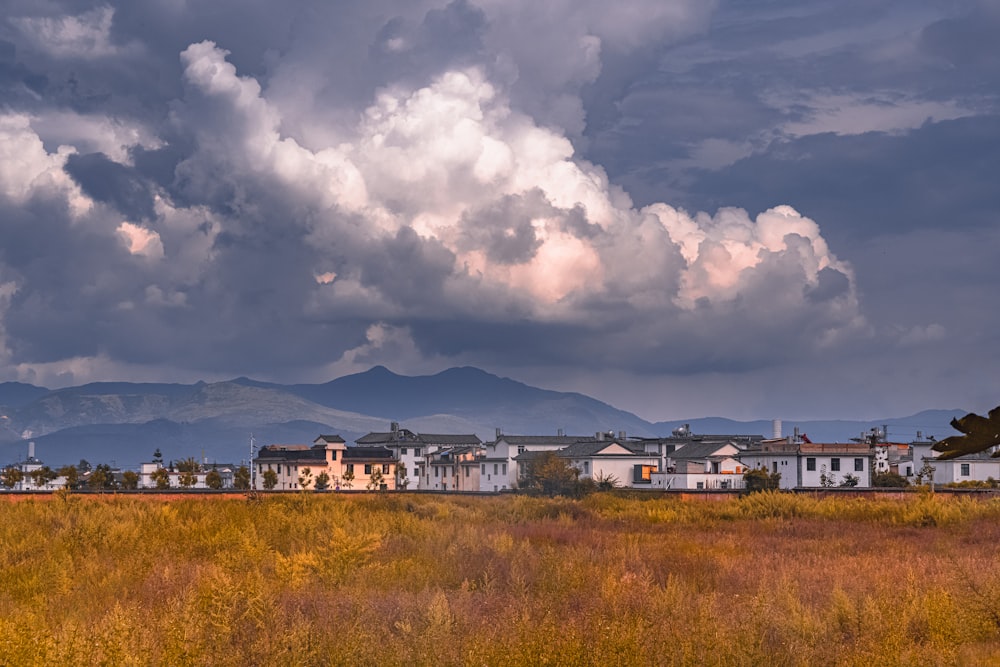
(774, 579)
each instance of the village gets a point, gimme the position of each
(402, 460)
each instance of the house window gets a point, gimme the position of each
(484, 468)
(333, 456)
(835, 465)
(505, 468)
(586, 467)
(774, 465)
(467, 471)
(402, 451)
(368, 468)
(811, 463)
(965, 470)
(416, 451)
(859, 465)
(435, 470)
(385, 468)
(350, 468)
(520, 449)
(495, 468)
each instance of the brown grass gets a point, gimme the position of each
(770, 579)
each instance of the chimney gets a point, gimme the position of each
(600, 436)
(776, 429)
(796, 432)
(31, 450)
(621, 435)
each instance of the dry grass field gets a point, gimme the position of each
(769, 579)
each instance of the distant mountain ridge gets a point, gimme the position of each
(125, 422)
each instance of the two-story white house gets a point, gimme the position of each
(499, 467)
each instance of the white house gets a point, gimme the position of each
(809, 464)
(612, 460)
(413, 452)
(499, 468)
(702, 465)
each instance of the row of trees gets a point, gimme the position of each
(81, 476)
(102, 477)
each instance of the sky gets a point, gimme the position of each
(753, 209)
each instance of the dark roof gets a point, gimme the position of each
(369, 454)
(291, 453)
(329, 438)
(450, 439)
(382, 438)
(698, 450)
(564, 440)
(593, 448)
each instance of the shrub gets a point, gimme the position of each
(889, 480)
(759, 479)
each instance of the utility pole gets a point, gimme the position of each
(253, 448)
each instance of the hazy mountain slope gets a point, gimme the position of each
(128, 445)
(18, 394)
(483, 399)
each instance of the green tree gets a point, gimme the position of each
(42, 476)
(241, 480)
(190, 464)
(322, 481)
(270, 479)
(348, 478)
(551, 475)
(187, 478)
(99, 478)
(161, 478)
(130, 479)
(157, 456)
(72, 475)
(759, 479)
(850, 480)
(10, 476)
(213, 480)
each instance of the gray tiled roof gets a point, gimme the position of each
(369, 454)
(564, 440)
(697, 450)
(594, 447)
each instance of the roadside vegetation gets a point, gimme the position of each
(609, 578)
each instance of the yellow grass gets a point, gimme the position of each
(769, 579)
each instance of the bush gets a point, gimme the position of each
(759, 479)
(889, 480)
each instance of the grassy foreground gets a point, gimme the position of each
(395, 579)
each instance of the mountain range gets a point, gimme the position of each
(123, 423)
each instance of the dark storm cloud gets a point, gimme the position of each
(259, 189)
(874, 183)
(108, 182)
